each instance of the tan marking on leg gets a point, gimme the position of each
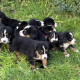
(32, 66)
(8, 45)
(72, 48)
(65, 53)
(44, 62)
(18, 54)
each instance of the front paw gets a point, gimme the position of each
(67, 55)
(76, 51)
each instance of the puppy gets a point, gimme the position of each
(53, 38)
(37, 23)
(31, 32)
(34, 50)
(6, 35)
(9, 22)
(66, 40)
(49, 21)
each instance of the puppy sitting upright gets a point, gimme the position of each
(66, 40)
(34, 50)
(6, 35)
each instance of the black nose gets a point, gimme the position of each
(4, 41)
(45, 58)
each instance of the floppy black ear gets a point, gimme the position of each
(23, 24)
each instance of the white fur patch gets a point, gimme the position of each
(36, 20)
(17, 27)
(4, 39)
(44, 55)
(54, 29)
(42, 23)
(65, 45)
(73, 41)
(54, 39)
(77, 51)
(55, 24)
(71, 34)
(19, 23)
(21, 33)
(67, 55)
(28, 26)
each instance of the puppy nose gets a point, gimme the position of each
(45, 57)
(4, 41)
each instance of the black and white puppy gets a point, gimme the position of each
(8, 21)
(49, 21)
(66, 40)
(37, 23)
(34, 50)
(6, 35)
(31, 32)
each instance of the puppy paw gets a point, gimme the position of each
(77, 51)
(67, 55)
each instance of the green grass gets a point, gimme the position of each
(59, 67)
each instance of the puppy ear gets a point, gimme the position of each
(23, 24)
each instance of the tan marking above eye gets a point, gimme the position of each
(41, 50)
(2, 33)
(6, 33)
(52, 35)
(71, 37)
(24, 30)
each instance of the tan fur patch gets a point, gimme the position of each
(18, 54)
(39, 54)
(44, 62)
(72, 49)
(32, 66)
(65, 53)
(8, 45)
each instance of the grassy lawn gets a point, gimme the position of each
(59, 67)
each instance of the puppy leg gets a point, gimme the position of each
(32, 64)
(72, 48)
(8, 45)
(18, 54)
(0, 47)
(44, 62)
(65, 53)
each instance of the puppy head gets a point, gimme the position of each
(41, 52)
(53, 36)
(5, 35)
(50, 21)
(37, 23)
(47, 29)
(70, 38)
(29, 31)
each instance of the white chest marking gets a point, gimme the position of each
(65, 45)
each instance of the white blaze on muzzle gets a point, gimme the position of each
(21, 33)
(55, 24)
(4, 39)
(42, 23)
(44, 56)
(54, 39)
